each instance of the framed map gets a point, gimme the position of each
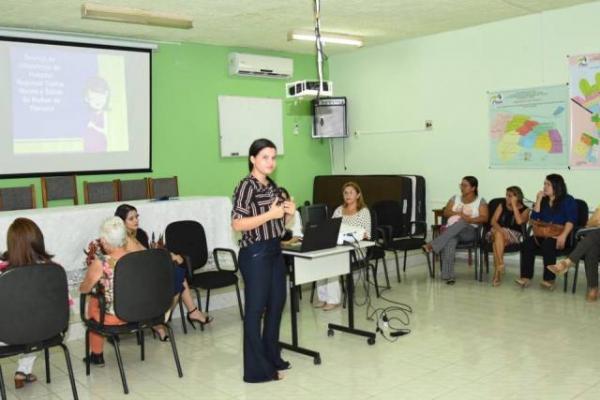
(529, 128)
(584, 94)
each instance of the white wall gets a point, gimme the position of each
(445, 77)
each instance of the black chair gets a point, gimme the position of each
(163, 187)
(59, 188)
(393, 237)
(188, 239)
(578, 236)
(143, 293)
(486, 247)
(133, 189)
(218, 253)
(34, 314)
(17, 198)
(377, 252)
(582, 218)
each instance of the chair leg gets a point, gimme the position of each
(142, 345)
(47, 360)
(207, 299)
(70, 370)
(174, 348)
(565, 284)
(2, 388)
(182, 315)
(404, 267)
(121, 367)
(375, 279)
(574, 289)
(431, 271)
(87, 352)
(237, 292)
(397, 266)
(385, 271)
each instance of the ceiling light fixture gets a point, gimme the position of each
(135, 16)
(333, 38)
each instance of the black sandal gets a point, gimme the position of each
(191, 320)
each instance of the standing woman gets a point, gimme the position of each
(259, 213)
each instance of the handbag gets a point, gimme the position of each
(546, 229)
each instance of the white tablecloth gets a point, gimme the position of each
(68, 230)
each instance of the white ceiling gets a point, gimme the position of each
(265, 23)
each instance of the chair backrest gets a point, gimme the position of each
(492, 206)
(163, 187)
(134, 189)
(389, 212)
(143, 285)
(17, 198)
(100, 192)
(59, 188)
(583, 213)
(34, 303)
(187, 238)
(313, 214)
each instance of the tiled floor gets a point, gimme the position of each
(470, 341)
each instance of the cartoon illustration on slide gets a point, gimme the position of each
(97, 97)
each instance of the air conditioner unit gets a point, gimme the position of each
(262, 66)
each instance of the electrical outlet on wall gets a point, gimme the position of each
(296, 128)
(428, 124)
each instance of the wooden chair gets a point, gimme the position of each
(134, 189)
(59, 188)
(100, 192)
(163, 187)
(17, 198)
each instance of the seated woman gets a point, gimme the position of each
(464, 212)
(113, 239)
(353, 212)
(555, 206)
(25, 246)
(137, 240)
(506, 223)
(588, 248)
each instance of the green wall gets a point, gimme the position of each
(186, 80)
(394, 88)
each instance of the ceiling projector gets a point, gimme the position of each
(308, 89)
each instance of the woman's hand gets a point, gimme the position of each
(289, 206)
(466, 217)
(514, 203)
(177, 258)
(276, 211)
(539, 196)
(560, 242)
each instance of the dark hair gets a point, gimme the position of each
(256, 147)
(517, 192)
(473, 182)
(559, 187)
(25, 244)
(123, 211)
(284, 191)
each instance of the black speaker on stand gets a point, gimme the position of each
(329, 117)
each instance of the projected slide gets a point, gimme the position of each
(73, 108)
(65, 101)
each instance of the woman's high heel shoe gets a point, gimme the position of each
(156, 332)
(191, 320)
(560, 267)
(497, 281)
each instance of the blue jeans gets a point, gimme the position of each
(263, 270)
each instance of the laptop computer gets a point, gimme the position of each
(319, 236)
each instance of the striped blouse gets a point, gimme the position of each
(252, 198)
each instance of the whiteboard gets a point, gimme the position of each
(245, 119)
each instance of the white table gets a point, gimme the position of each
(321, 264)
(68, 230)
